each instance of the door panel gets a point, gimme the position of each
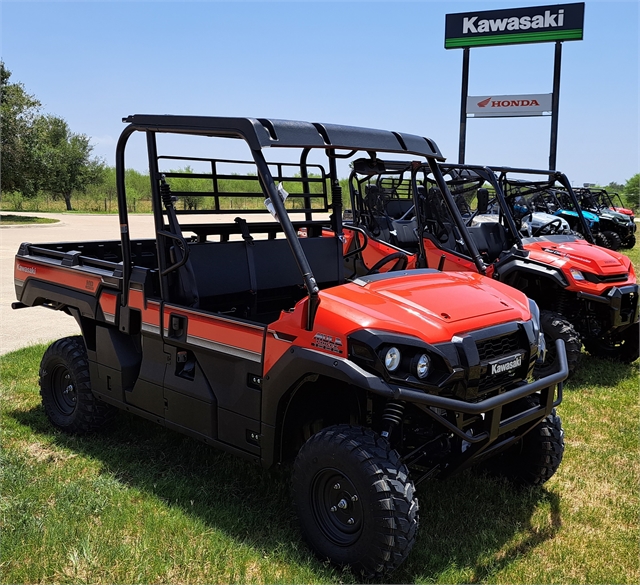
(215, 367)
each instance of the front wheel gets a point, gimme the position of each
(630, 242)
(615, 243)
(601, 240)
(65, 388)
(535, 458)
(624, 347)
(355, 501)
(554, 327)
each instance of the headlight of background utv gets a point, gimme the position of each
(577, 275)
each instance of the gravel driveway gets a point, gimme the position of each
(36, 324)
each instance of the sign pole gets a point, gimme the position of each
(533, 24)
(463, 105)
(555, 107)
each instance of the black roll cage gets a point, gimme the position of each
(497, 182)
(259, 134)
(414, 167)
(438, 169)
(554, 176)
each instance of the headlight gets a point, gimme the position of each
(422, 366)
(577, 275)
(392, 359)
(400, 359)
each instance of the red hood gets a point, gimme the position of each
(623, 210)
(580, 255)
(434, 306)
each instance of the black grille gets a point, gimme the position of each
(489, 349)
(596, 279)
(488, 382)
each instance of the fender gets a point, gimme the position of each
(285, 376)
(299, 362)
(504, 269)
(37, 292)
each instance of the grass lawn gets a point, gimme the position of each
(8, 219)
(140, 504)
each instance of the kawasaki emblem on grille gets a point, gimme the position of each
(507, 364)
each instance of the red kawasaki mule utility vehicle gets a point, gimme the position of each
(246, 334)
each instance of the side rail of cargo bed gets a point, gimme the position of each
(63, 279)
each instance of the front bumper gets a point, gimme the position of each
(622, 302)
(496, 431)
(498, 428)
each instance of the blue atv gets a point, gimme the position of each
(617, 226)
(560, 204)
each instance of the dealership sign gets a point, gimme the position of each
(506, 106)
(538, 24)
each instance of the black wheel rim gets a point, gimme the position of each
(337, 507)
(64, 390)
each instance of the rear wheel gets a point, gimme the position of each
(355, 501)
(624, 347)
(555, 326)
(65, 388)
(614, 239)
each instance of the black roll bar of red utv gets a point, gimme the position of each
(123, 214)
(261, 133)
(453, 210)
(553, 176)
(488, 174)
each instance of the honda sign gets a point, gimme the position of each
(506, 106)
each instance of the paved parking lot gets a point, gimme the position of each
(19, 328)
(36, 324)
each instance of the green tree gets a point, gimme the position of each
(632, 191)
(614, 187)
(63, 159)
(18, 111)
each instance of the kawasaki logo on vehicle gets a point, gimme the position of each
(27, 269)
(512, 363)
(560, 22)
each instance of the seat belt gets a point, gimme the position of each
(249, 243)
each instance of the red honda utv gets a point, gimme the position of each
(443, 216)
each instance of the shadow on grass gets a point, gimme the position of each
(470, 526)
(602, 372)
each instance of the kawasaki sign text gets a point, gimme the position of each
(560, 22)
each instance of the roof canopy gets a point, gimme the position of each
(262, 133)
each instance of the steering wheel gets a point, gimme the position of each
(557, 223)
(402, 258)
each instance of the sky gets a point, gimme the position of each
(378, 64)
